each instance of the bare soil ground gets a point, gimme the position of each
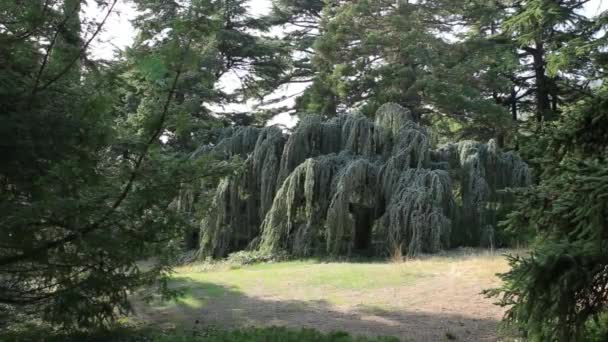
(432, 299)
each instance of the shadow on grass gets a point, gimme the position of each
(211, 305)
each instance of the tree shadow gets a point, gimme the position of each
(207, 304)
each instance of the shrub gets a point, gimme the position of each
(596, 330)
(252, 257)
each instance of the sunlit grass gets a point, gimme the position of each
(334, 282)
(192, 294)
(342, 276)
(192, 302)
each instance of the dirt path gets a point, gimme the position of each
(441, 307)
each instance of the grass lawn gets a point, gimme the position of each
(406, 299)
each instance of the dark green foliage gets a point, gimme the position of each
(597, 330)
(302, 17)
(243, 258)
(362, 54)
(484, 64)
(548, 31)
(78, 185)
(226, 42)
(87, 188)
(557, 291)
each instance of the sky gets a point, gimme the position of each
(119, 34)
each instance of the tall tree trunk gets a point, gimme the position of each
(513, 103)
(69, 41)
(543, 102)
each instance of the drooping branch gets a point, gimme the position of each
(349, 183)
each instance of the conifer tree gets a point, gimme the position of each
(559, 291)
(83, 166)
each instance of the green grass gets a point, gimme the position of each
(309, 274)
(192, 294)
(361, 276)
(272, 334)
(192, 302)
(361, 288)
(132, 334)
(311, 280)
(368, 288)
(334, 282)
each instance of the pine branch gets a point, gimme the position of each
(80, 53)
(124, 193)
(47, 54)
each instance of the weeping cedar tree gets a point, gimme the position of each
(352, 185)
(561, 289)
(82, 167)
